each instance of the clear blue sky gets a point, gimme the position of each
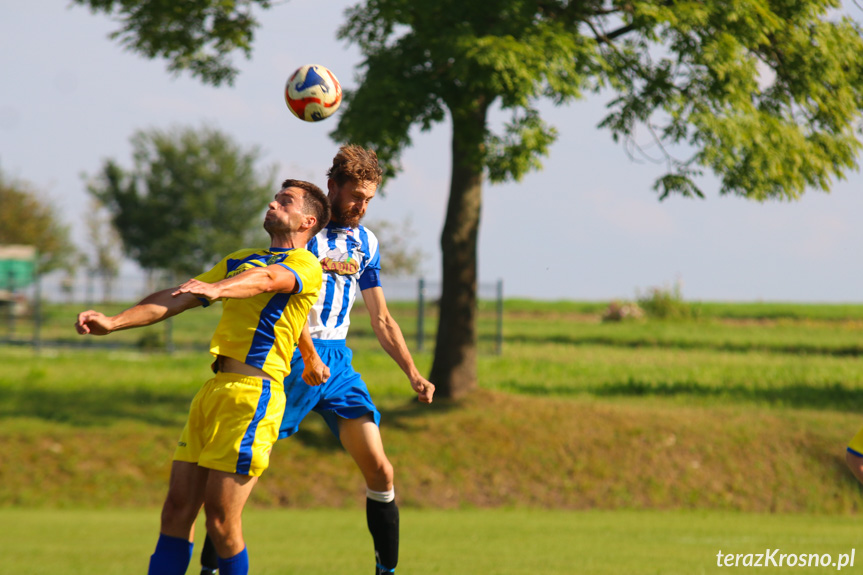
(587, 226)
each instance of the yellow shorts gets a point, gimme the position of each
(855, 446)
(233, 424)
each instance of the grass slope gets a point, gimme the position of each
(97, 429)
(730, 412)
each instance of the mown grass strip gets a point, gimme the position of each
(700, 377)
(785, 328)
(812, 338)
(502, 542)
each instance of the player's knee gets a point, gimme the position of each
(221, 530)
(382, 476)
(177, 512)
(388, 472)
(216, 526)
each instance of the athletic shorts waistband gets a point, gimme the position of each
(228, 377)
(330, 342)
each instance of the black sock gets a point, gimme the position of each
(383, 521)
(209, 558)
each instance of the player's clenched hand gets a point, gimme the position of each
(93, 323)
(197, 288)
(315, 372)
(424, 389)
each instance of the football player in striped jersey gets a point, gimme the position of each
(350, 259)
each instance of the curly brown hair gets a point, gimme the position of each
(355, 164)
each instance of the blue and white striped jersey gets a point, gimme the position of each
(351, 261)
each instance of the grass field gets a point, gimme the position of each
(792, 328)
(465, 542)
(590, 447)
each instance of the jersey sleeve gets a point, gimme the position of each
(371, 276)
(307, 269)
(225, 268)
(217, 273)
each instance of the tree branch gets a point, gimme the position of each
(618, 33)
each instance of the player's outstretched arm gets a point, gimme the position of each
(390, 336)
(252, 282)
(152, 309)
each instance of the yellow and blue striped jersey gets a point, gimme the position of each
(263, 330)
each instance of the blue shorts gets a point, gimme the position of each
(344, 395)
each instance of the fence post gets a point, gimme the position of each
(169, 336)
(37, 313)
(421, 288)
(499, 339)
(169, 324)
(11, 315)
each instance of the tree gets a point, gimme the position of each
(27, 218)
(765, 94)
(196, 36)
(191, 197)
(104, 261)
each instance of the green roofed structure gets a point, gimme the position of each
(17, 268)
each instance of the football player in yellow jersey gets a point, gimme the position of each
(350, 257)
(234, 419)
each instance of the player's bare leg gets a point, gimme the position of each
(185, 497)
(362, 439)
(184, 500)
(226, 495)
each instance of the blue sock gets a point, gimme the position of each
(172, 556)
(236, 565)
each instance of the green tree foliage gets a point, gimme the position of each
(196, 36)
(191, 197)
(765, 94)
(27, 217)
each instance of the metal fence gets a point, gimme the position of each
(42, 314)
(429, 293)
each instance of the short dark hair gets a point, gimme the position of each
(355, 164)
(315, 202)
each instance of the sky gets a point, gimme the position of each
(586, 227)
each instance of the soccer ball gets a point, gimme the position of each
(313, 93)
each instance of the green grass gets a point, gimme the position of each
(790, 328)
(499, 542)
(724, 414)
(97, 428)
(694, 376)
(783, 336)
(778, 310)
(589, 448)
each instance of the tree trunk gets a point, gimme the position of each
(454, 367)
